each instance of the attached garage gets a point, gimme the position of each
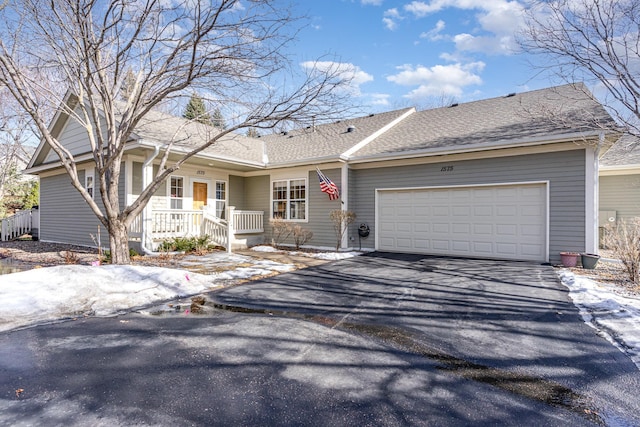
(489, 221)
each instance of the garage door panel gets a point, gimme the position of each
(483, 248)
(491, 221)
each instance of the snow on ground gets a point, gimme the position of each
(614, 316)
(48, 294)
(329, 256)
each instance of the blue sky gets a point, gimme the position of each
(419, 53)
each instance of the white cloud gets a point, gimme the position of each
(439, 79)
(371, 2)
(435, 33)
(380, 99)
(390, 18)
(498, 21)
(346, 70)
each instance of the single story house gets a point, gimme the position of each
(620, 181)
(514, 177)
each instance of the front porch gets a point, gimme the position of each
(232, 232)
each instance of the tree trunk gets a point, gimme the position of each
(118, 242)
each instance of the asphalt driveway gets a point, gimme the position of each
(380, 339)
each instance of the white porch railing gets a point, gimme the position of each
(248, 222)
(168, 223)
(18, 224)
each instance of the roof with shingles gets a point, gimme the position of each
(625, 152)
(514, 118)
(538, 116)
(327, 140)
(160, 128)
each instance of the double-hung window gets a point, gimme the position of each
(176, 192)
(89, 179)
(289, 199)
(221, 198)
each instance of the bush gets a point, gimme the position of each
(280, 230)
(199, 244)
(301, 236)
(341, 220)
(623, 239)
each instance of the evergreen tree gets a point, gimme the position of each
(197, 111)
(217, 120)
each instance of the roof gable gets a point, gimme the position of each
(329, 141)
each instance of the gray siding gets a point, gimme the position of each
(564, 170)
(256, 198)
(236, 192)
(136, 185)
(620, 193)
(64, 215)
(319, 208)
(74, 138)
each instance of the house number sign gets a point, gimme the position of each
(200, 172)
(446, 169)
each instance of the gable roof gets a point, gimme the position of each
(329, 141)
(515, 119)
(561, 113)
(159, 128)
(625, 152)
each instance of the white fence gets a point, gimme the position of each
(18, 224)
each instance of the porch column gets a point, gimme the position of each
(344, 200)
(230, 227)
(146, 238)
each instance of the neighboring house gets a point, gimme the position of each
(493, 178)
(620, 181)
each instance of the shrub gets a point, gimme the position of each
(198, 245)
(623, 239)
(70, 257)
(341, 220)
(280, 230)
(301, 235)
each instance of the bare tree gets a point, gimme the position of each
(233, 51)
(16, 134)
(595, 41)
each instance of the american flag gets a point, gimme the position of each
(327, 186)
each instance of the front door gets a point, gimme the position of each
(199, 195)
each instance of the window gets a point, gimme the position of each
(290, 199)
(89, 178)
(176, 192)
(221, 199)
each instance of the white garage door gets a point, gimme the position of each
(502, 221)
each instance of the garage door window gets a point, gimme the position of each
(289, 199)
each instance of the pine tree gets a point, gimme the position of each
(218, 120)
(197, 111)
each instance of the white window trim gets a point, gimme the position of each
(169, 198)
(215, 194)
(306, 198)
(90, 172)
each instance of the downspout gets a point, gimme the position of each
(144, 238)
(593, 236)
